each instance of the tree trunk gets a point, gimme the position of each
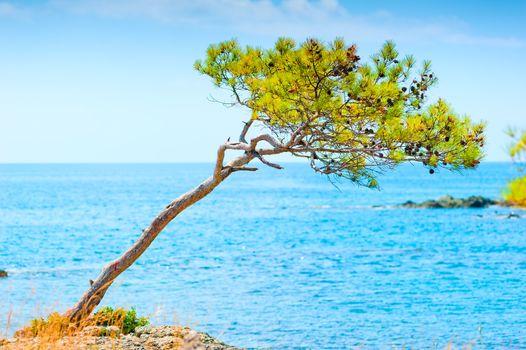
(109, 273)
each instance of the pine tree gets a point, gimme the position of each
(346, 116)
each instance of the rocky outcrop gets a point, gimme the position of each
(3, 273)
(452, 202)
(144, 338)
(166, 337)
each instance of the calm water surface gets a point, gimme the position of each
(273, 258)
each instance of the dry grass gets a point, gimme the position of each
(56, 331)
(107, 329)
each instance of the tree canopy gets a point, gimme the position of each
(350, 117)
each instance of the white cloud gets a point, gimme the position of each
(296, 18)
(9, 10)
(6, 9)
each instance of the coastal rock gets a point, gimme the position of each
(91, 331)
(144, 338)
(452, 202)
(3, 273)
(159, 331)
(95, 331)
(143, 330)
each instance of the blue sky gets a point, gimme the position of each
(112, 81)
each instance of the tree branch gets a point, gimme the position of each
(265, 137)
(244, 169)
(245, 130)
(219, 161)
(264, 161)
(239, 146)
(250, 149)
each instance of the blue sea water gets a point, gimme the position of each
(279, 259)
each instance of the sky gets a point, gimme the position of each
(113, 80)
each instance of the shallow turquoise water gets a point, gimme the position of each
(273, 258)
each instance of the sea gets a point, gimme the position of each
(281, 259)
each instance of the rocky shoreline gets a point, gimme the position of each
(143, 338)
(452, 202)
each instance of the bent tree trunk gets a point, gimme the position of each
(92, 297)
(98, 288)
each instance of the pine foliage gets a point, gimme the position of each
(350, 117)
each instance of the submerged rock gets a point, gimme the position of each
(510, 216)
(452, 202)
(3, 273)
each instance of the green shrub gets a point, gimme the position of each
(57, 325)
(515, 192)
(126, 320)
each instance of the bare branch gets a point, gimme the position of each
(226, 104)
(266, 162)
(236, 94)
(249, 151)
(239, 146)
(219, 161)
(245, 130)
(265, 137)
(244, 169)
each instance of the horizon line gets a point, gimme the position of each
(185, 162)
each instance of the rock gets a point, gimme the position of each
(3, 273)
(478, 202)
(212, 343)
(513, 216)
(143, 330)
(130, 341)
(452, 202)
(110, 331)
(101, 331)
(166, 331)
(191, 340)
(144, 338)
(91, 331)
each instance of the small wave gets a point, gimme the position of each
(58, 269)
(354, 207)
(511, 216)
(389, 250)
